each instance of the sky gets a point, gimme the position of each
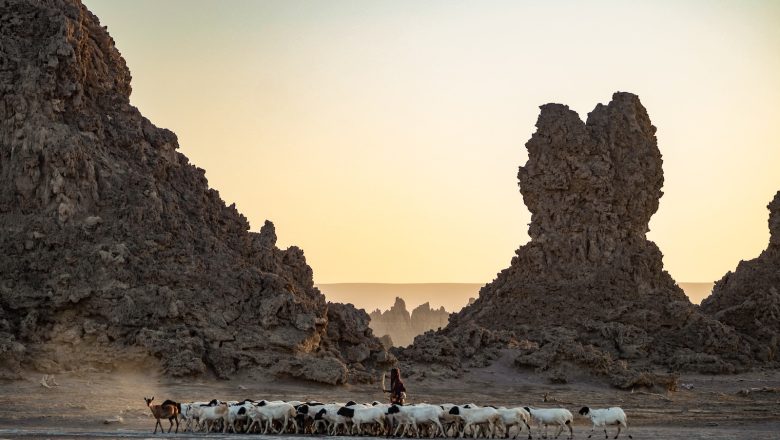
(384, 137)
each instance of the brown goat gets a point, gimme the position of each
(168, 410)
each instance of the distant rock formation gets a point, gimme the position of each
(748, 299)
(114, 251)
(588, 292)
(403, 327)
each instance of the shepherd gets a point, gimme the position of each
(397, 389)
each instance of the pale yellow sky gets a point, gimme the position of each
(383, 137)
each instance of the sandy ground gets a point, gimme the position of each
(714, 408)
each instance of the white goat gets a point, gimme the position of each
(559, 417)
(209, 415)
(186, 414)
(604, 417)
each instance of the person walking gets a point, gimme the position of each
(397, 388)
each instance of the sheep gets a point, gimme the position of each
(305, 415)
(329, 413)
(365, 415)
(475, 416)
(514, 417)
(552, 416)
(415, 415)
(238, 413)
(168, 410)
(450, 421)
(272, 412)
(604, 417)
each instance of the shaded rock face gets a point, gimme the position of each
(588, 292)
(402, 327)
(748, 299)
(115, 252)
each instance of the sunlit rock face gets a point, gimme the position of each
(749, 298)
(588, 292)
(114, 250)
(402, 326)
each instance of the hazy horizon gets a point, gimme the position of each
(451, 296)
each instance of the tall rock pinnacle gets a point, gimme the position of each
(589, 290)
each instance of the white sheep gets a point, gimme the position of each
(450, 421)
(515, 417)
(412, 416)
(604, 417)
(359, 416)
(305, 416)
(474, 416)
(559, 417)
(329, 414)
(238, 413)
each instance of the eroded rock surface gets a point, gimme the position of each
(588, 292)
(748, 299)
(115, 252)
(402, 326)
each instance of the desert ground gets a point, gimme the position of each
(744, 406)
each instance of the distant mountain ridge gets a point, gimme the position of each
(403, 326)
(371, 296)
(451, 296)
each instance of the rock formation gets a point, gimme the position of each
(402, 327)
(425, 318)
(588, 292)
(748, 299)
(114, 249)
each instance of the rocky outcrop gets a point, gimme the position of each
(748, 299)
(425, 318)
(588, 292)
(115, 252)
(402, 327)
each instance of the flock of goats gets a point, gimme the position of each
(375, 419)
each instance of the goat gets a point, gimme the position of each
(168, 410)
(560, 417)
(209, 415)
(604, 417)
